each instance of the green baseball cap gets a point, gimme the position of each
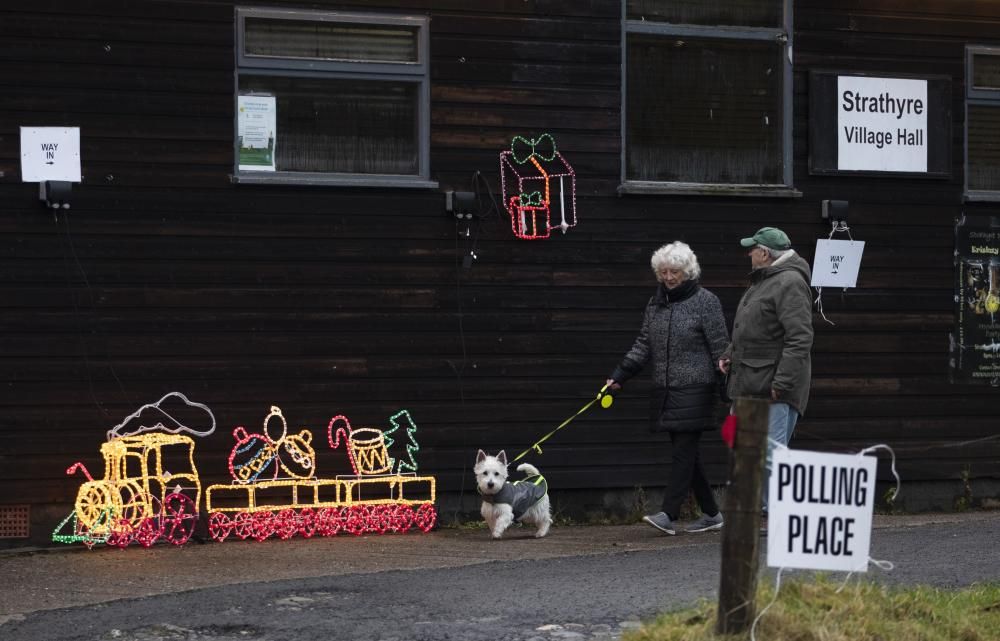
(768, 237)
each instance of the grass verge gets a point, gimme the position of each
(813, 610)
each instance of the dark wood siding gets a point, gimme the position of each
(166, 276)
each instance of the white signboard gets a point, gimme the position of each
(881, 124)
(837, 263)
(820, 510)
(50, 153)
(257, 131)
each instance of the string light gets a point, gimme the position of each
(525, 163)
(136, 500)
(155, 414)
(334, 438)
(255, 454)
(370, 501)
(412, 447)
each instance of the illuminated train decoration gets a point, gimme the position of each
(151, 490)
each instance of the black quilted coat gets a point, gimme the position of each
(683, 335)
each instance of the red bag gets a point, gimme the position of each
(729, 430)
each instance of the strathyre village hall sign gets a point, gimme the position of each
(861, 124)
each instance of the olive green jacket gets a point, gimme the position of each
(773, 334)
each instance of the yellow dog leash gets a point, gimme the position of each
(606, 401)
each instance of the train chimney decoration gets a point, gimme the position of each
(274, 492)
(534, 180)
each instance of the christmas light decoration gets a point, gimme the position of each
(412, 447)
(527, 163)
(152, 416)
(256, 455)
(333, 437)
(371, 501)
(137, 500)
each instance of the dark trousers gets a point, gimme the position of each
(687, 474)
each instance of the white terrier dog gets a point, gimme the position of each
(504, 502)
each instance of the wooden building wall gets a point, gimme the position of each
(166, 276)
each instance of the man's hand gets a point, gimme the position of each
(724, 364)
(774, 394)
(612, 384)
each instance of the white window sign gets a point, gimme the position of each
(50, 153)
(881, 124)
(820, 510)
(837, 263)
(257, 131)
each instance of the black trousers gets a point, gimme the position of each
(687, 474)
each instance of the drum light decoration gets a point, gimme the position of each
(532, 174)
(373, 500)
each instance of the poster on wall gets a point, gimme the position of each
(975, 342)
(256, 132)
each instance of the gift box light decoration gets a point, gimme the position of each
(139, 500)
(534, 180)
(372, 500)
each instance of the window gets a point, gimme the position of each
(332, 98)
(707, 97)
(982, 124)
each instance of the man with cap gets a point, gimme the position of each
(769, 356)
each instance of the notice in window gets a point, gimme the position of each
(881, 124)
(975, 342)
(257, 132)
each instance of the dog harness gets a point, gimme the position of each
(520, 495)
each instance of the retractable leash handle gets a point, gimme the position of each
(603, 396)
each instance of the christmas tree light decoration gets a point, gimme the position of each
(528, 163)
(412, 447)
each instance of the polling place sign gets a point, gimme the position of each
(878, 125)
(820, 510)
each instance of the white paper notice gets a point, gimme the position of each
(837, 263)
(50, 153)
(257, 132)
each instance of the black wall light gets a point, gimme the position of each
(55, 193)
(836, 212)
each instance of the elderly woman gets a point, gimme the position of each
(683, 335)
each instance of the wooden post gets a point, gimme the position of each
(741, 536)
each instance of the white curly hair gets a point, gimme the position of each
(676, 255)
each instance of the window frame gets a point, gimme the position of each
(983, 97)
(783, 34)
(417, 73)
